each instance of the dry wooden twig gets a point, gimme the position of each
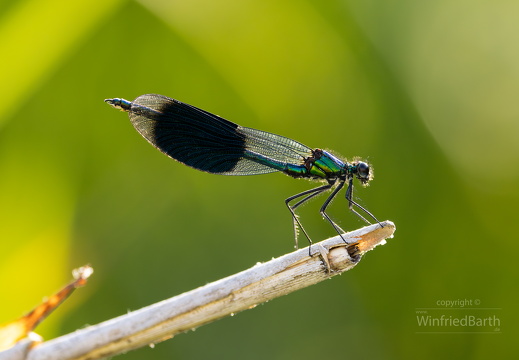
(245, 290)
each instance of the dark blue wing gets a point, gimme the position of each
(210, 143)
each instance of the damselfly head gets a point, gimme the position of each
(363, 172)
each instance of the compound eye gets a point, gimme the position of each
(363, 170)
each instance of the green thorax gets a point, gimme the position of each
(321, 165)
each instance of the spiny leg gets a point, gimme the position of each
(310, 194)
(296, 205)
(349, 194)
(325, 205)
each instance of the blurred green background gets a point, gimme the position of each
(426, 91)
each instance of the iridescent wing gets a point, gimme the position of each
(210, 143)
